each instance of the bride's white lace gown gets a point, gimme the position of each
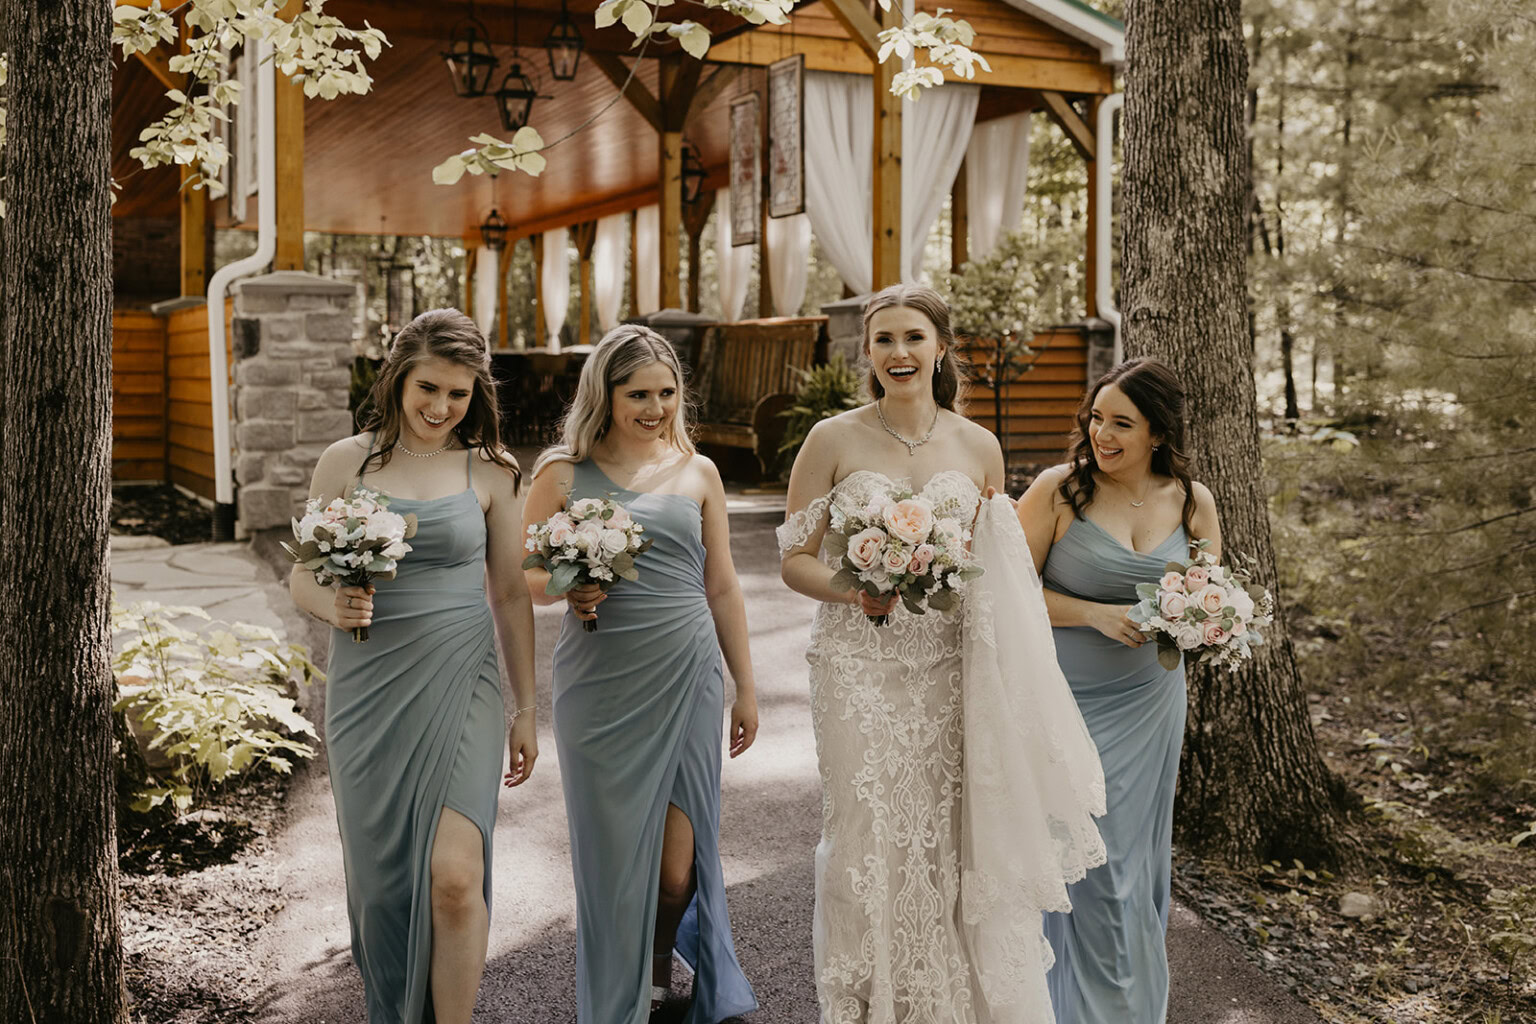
(919, 896)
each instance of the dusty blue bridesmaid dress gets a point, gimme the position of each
(638, 709)
(1111, 963)
(414, 722)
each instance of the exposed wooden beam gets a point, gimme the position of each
(720, 78)
(584, 235)
(633, 89)
(695, 216)
(159, 64)
(1091, 291)
(860, 25)
(194, 236)
(761, 48)
(288, 111)
(1076, 129)
(960, 221)
(539, 330)
(886, 183)
(677, 99)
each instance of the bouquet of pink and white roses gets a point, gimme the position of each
(899, 543)
(354, 540)
(1208, 611)
(593, 542)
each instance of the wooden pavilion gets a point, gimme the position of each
(354, 164)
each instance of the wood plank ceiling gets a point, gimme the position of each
(368, 160)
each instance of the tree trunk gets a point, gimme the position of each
(60, 957)
(1253, 785)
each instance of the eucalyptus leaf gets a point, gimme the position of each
(1168, 657)
(533, 561)
(836, 543)
(843, 579)
(562, 578)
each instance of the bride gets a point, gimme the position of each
(958, 779)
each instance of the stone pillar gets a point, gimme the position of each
(1100, 338)
(292, 358)
(845, 328)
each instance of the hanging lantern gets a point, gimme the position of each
(470, 60)
(564, 46)
(515, 98)
(494, 232)
(399, 280)
(693, 174)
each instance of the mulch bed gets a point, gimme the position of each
(194, 894)
(160, 510)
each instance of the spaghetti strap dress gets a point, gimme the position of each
(414, 723)
(638, 709)
(1111, 961)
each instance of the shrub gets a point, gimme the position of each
(825, 390)
(206, 706)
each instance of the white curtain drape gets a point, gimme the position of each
(789, 259)
(647, 250)
(934, 131)
(996, 176)
(839, 128)
(487, 277)
(839, 134)
(608, 254)
(555, 285)
(733, 265)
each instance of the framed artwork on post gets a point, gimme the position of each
(746, 170)
(786, 136)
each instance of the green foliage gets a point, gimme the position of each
(211, 705)
(825, 390)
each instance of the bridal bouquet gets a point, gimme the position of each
(593, 542)
(354, 540)
(898, 543)
(1211, 612)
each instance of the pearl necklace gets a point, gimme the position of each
(912, 446)
(422, 455)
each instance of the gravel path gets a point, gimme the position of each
(770, 823)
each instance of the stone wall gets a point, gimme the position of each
(292, 351)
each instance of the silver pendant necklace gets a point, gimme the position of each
(422, 455)
(912, 446)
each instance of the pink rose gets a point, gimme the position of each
(1172, 606)
(1196, 577)
(620, 518)
(895, 559)
(865, 546)
(1239, 627)
(1188, 638)
(910, 520)
(1172, 582)
(1215, 636)
(560, 530)
(1242, 603)
(922, 558)
(1211, 598)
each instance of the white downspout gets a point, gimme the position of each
(266, 246)
(1103, 196)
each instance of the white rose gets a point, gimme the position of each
(613, 542)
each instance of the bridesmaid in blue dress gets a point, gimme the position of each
(638, 704)
(1122, 506)
(415, 720)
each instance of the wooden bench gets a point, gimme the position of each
(744, 376)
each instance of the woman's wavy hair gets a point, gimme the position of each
(614, 359)
(449, 335)
(1158, 395)
(948, 383)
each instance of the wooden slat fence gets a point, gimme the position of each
(190, 414)
(1039, 408)
(138, 396)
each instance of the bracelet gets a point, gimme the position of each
(519, 711)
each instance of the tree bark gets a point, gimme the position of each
(1252, 785)
(60, 957)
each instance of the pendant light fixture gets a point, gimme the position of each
(469, 58)
(564, 47)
